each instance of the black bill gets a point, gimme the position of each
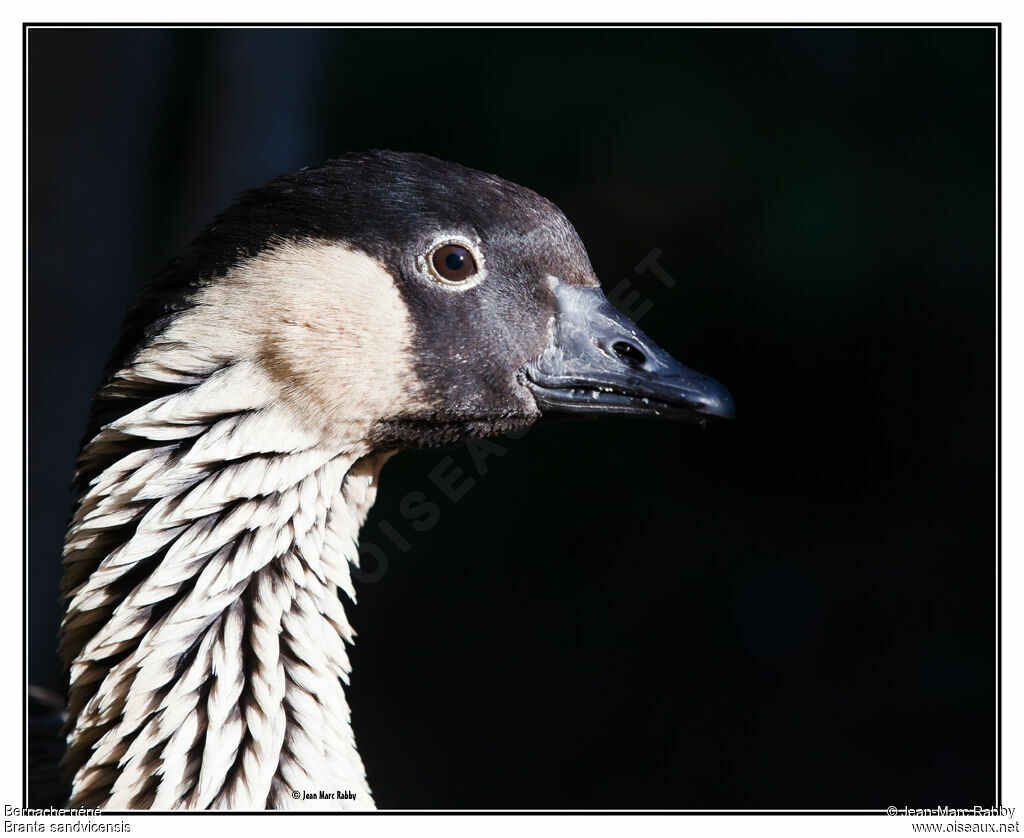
(599, 362)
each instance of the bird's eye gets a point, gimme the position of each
(453, 263)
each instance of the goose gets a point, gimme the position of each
(378, 302)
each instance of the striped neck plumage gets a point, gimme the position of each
(204, 634)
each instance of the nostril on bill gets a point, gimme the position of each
(629, 354)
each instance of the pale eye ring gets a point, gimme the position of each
(453, 263)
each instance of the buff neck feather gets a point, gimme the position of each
(204, 634)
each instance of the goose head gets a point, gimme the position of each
(419, 303)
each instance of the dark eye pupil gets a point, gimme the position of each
(454, 263)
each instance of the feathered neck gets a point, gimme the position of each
(204, 634)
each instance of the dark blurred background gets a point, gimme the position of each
(794, 610)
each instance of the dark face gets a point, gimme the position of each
(474, 265)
